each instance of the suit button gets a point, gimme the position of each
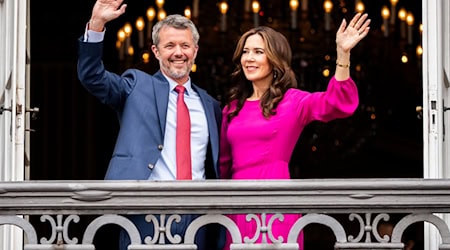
(151, 166)
(160, 147)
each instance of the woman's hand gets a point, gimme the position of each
(348, 36)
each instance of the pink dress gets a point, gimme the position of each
(253, 147)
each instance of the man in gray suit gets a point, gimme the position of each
(146, 106)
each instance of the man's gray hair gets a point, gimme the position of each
(178, 22)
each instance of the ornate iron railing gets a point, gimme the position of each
(365, 202)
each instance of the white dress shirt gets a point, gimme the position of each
(165, 168)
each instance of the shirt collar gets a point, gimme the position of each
(173, 84)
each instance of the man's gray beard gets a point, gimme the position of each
(176, 75)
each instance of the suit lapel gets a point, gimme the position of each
(162, 99)
(210, 118)
(161, 87)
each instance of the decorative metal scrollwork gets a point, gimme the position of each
(162, 225)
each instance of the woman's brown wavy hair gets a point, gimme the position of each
(279, 54)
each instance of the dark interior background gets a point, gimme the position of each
(75, 134)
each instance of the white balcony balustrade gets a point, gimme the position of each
(363, 202)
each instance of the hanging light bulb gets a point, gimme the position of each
(359, 6)
(187, 12)
(385, 15)
(151, 13)
(159, 4)
(327, 6)
(393, 4)
(140, 25)
(161, 14)
(293, 4)
(223, 7)
(256, 8)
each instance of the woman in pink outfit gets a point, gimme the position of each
(266, 113)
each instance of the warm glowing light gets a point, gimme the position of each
(373, 117)
(410, 19)
(140, 24)
(160, 3)
(194, 67)
(187, 12)
(402, 14)
(419, 50)
(127, 28)
(145, 57)
(326, 72)
(314, 148)
(404, 58)
(385, 13)
(151, 13)
(394, 2)
(421, 28)
(161, 14)
(328, 6)
(360, 7)
(255, 6)
(121, 35)
(293, 4)
(130, 50)
(223, 7)
(118, 44)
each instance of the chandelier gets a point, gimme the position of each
(135, 36)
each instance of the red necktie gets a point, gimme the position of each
(183, 141)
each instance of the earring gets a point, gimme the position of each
(275, 74)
